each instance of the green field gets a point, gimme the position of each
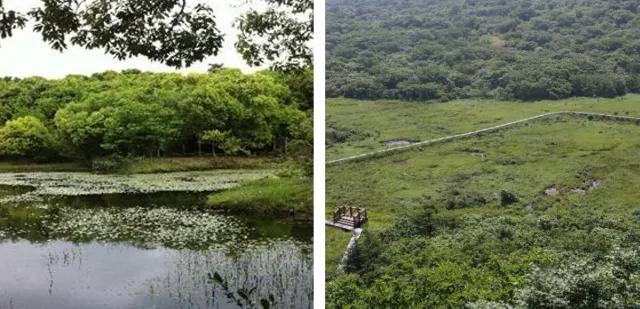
(279, 196)
(478, 204)
(355, 127)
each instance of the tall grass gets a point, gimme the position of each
(355, 127)
(467, 177)
(274, 196)
(146, 165)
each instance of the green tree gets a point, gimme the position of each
(215, 137)
(117, 122)
(26, 137)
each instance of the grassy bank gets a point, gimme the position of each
(355, 127)
(147, 165)
(275, 196)
(475, 213)
(23, 166)
(336, 241)
(186, 164)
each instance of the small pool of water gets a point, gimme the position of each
(398, 142)
(139, 251)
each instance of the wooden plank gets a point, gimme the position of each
(338, 225)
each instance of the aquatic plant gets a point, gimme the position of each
(242, 297)
(60, 183)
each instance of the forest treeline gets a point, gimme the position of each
(133, 113)
(498, 49)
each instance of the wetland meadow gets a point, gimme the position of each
(541, 214)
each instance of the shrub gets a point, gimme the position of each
(26, 137)
(507, 198)
(109, 164)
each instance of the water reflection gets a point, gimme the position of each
(139, 251)
(96, 275)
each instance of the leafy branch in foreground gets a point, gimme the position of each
(279, 34)
(242, 297)
(177, 33)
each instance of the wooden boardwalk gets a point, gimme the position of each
(338, 225)
(348, 218)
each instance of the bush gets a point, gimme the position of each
(507, 198)
(26, 137)
(109, 164)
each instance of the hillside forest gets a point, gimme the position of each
(131, 113)
(492, 49)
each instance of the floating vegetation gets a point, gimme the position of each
(171, 227)
(78, 183)
(76, 228)
(8, 190)
(164, 226)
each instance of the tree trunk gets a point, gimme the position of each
(213, 149)
(184, 148)
(199, 148)
(285, 148)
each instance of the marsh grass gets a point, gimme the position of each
(519, 164)
(147, 165)
(355, 127)
(276, 196)
(23, 166)
(186, 164)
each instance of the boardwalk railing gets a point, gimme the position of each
(359, 215)
(338, 213)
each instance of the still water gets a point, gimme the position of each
(147, 251)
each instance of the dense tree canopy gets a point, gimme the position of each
(26, 137)
(511, 50)
(175, 32)
(140, 114)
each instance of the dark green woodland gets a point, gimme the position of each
(497, 49)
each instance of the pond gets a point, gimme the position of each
(149, 249)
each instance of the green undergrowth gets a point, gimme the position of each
(336, 241)
(24, 166)
(354, 127)
(186, 164)
(274, 196)
(469, 223)
(142, 165)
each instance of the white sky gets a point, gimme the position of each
(25, 54)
